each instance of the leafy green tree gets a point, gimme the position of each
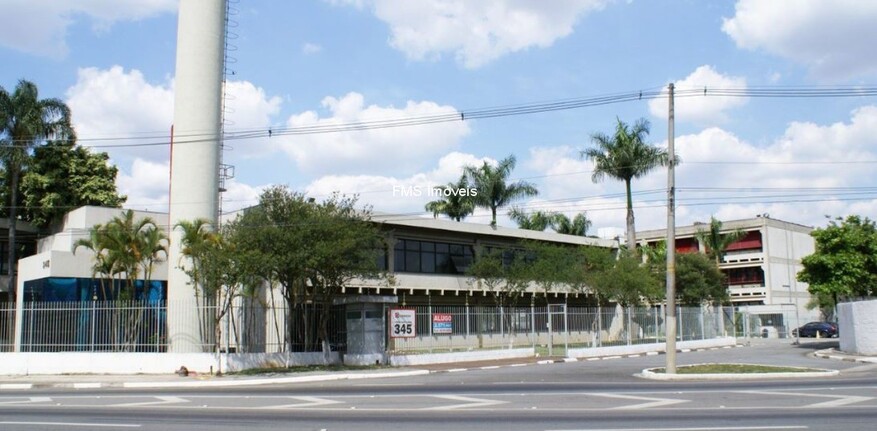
(537, 220)
(844, 264)
(629, 282)
(625, 156)
(578, 226)
(126, 250)
(717, 242)
(61, 176)
(25, 122)
(699, 280)
(494, 191)
(311, 250)
(454, 203)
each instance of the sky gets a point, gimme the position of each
(328, 62)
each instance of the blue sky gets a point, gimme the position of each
(318, 62)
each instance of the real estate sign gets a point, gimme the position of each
(442, 323)
(402, 323)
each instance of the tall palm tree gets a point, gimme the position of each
(717, 242)
(491, 183)
(454, 203)
(578, 226)
(625, 156)
(25, 121)
(537, 220)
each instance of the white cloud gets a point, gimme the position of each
(121, 107)
(701, 109)
(238, 195)
(311, 48)
(476, 32)
(833, 38)
(146, 184)
(398, 149)
(731, 178)
(40, 26)
(396, 195)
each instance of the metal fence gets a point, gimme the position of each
(142, 326)
(251, 326)
(555, 328)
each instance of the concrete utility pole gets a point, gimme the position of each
(670, 309)
(195, 151)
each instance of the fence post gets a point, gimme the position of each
(92, 324)
(566, 329)
(629, 323)
(599, 325)
(681, 332)
(550, 333)
(533, 323)
(702, 324)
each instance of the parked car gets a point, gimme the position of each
(813, 329)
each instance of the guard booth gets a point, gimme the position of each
(365, 319)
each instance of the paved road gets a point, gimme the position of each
(591, 395)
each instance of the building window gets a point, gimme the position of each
(431, 257)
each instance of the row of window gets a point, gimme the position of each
(432, 257)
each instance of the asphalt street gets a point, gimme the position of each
(584, 395)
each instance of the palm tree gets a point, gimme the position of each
(578, 226)
(491, 184)
(537, 220)
(717, 242)
(625, 156)
(25, 121)
(454, 203)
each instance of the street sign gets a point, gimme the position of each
(442, 323)
(402, 323)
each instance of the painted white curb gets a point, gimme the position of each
(649, 374)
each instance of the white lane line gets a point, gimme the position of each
(457, 370)
(651, 353)
(776, 427)
(4, 386)
(308, 402)
(73, 424)
(837, 400)
(469, 402)
(652, 402)
(518, 365)
(160, 401)
(86, 385)
(492, 367)
(29, 400)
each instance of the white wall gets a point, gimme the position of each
(857, 325)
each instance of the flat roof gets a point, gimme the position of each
(488, 230)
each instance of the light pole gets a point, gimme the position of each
(794, 303)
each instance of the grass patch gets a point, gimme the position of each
(305, 369)
(735, 369)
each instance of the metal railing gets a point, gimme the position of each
(554, 329)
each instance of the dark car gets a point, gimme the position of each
(816, 329)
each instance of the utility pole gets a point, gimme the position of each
(670, 309)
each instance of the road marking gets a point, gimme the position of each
(652, 402)
(470, 402)
(16, 386)
(492, 367)
(72, 424)
(778, 427)
(86, 385)
(838, 400)
(29, 400)
(161, 401)
(308, 402)
(457, 370)
(518, 365)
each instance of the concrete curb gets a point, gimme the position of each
(649, 374)
(840, 356)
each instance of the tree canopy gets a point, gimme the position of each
(844, 264)
(625, 156)
(26, 121)
(536, 220)
(62, 176)
(493, 187)
(311, 249)
(454, 203)
(716, 241)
